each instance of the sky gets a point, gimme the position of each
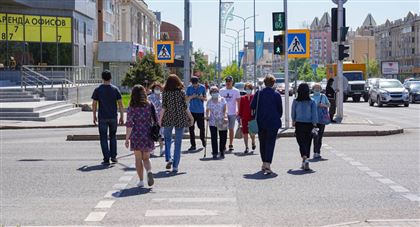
(204, 30)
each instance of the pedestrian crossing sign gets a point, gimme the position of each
(298, 43)
(164, 52)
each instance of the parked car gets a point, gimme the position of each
(413, 88)
(324, 85)
(240, 86)
(282, 89)
(388, 92)
(369, 85)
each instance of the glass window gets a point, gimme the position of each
(16, 52)
(65, 54)
(3, 55)
(49, 53)
(33, 53)
(390, 84)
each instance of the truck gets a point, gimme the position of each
(356, 77)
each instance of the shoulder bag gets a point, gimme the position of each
(154, 128)
(324, 115)
(253, 124)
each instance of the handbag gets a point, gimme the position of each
(154, 128)
(238, 133)
(324, 115)
(253, 124)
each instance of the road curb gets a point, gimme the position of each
(46, 127)
(280, 135)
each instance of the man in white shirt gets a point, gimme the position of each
(232, 97)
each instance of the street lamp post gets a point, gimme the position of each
(237, 35)
(235, 46)
(230, 52)
(232, 49)
(244, 20)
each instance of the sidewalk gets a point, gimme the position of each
(349, 127)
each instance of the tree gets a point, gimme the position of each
(321, 73)
(373, 69)
(234, 71)
(201, 65)
(144, 72)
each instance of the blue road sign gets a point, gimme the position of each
(164, 52)
(298, 43)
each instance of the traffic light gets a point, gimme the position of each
(341, 52)
(334, 23)
(278, 21)
(278, 44)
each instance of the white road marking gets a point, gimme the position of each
(112, 194)
(119, 186)
(195, 200)
(199, 189)
(412, 197)
(374, 174)
(355, 163)
(369, 121)
(398, 188)
(392, 220)
(131, 172)
(190, 226)
(385, 181)
(126, 178)
(348, 159)
(95, 216)
(180, 212)
(105, 204)
(364, 168)
(340, 154)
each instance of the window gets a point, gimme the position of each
(413, 39)
(109, 7)
(76, 31)
(65, 54)
(84, 31)
(49, 53)
(413, 51)
(406, 30)
(107, 28)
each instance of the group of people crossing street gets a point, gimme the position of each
(163, 114)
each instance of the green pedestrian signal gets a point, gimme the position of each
(278, 44)
(278, 21)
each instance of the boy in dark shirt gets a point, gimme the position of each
(107, 95)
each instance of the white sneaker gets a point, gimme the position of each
(306, 165)
(140, 184)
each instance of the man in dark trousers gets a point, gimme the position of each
(107, 95)
(196, 94)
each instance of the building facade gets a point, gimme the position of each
(46, 33)
(400, 41)
(362, 42)
(320, 43)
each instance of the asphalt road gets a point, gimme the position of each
(46, 180)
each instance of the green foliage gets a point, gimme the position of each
(234, 71)
(144, 72)
(304, 70)
(373, 69)
(202, 66)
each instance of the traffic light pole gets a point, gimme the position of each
(340, 93)
(286, 71)
(220, 43)
(187, 57)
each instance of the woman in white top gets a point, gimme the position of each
(217, 117)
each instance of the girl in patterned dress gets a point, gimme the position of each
(140, 114)
(156, 99)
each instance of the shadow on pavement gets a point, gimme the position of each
(210, 159)
(164, 174)
(300, 172)
(192, 152)
(260, 175)
(94, 168)
(318, 160)
(134, 191)
(242, 154)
